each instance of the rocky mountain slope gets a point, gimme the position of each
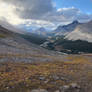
(81, 32)
(73, 38)
(13, 47)
(34, 38)
(63, 30)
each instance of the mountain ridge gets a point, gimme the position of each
(81, 32)
(65, 29)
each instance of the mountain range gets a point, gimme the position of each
(72, 38)
(40, 31)
(63, 30)
(81, 32)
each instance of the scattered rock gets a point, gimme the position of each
(57, 91)
(74, 87)
(46, 81)
(55, 77)
(63, 78)
(64, 88)
(39, 90)
(7, 87)
(41, 77)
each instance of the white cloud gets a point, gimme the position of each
(65, 9)
(38, 13)
(39, 23)
(7, 13)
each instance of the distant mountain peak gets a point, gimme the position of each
(42, 29)
(63, 30)
(75, 22)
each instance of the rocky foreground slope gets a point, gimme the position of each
(74, 75)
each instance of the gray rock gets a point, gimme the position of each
(46, 81)
(64, 88)
(73, 87)
(57, 91)
(39, 90)
(55, 77)
(41, 77)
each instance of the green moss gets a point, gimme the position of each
(2, 36)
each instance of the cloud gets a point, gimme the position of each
(39, 13)
(33, 9)
(39, 23)
(7, 14)
(68, 15)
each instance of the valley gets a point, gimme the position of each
(74, 38)
(25, 66)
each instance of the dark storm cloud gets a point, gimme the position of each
(33, 9)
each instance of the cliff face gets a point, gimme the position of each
(81, 32)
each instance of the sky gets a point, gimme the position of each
(44, 13)
(84, 5)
